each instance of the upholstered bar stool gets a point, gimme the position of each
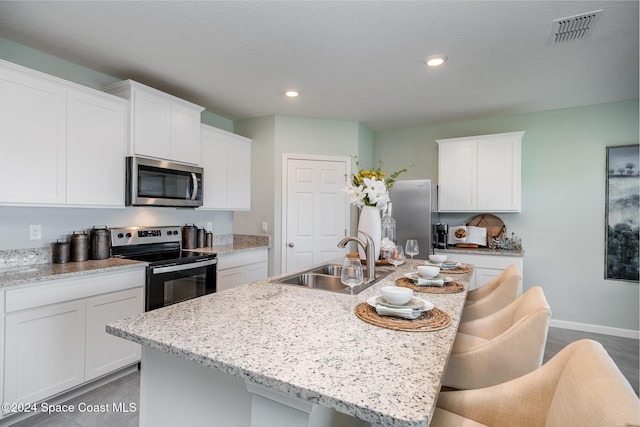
(494, 295)
(580, 386)
(502, 346)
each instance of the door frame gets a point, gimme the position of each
(283, 191)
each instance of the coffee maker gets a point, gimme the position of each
(442, 233)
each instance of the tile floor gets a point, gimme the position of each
(624, 351)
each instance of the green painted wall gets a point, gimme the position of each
(563, 195)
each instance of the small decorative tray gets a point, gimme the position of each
(452, 287)
(432, 320)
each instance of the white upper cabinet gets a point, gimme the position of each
(32, 138)
(162, 126)
(226, 159)
(480, 173)
(61, 143)
(95, 149)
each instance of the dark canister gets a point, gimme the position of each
(209, 242)
(201, 238)
(100, 243)
(79, 246)
(61, 252)
(189, 236)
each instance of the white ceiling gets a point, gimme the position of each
(351, 60)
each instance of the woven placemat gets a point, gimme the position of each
(452, 287)
(461, 269)
(432, 320)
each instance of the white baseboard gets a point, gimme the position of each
(596, 329)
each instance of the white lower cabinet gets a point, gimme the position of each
(238, 268)
(486, 267)
(44, 351)
(55, 337)
(104, 352)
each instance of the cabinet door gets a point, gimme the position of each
(226, 159)
(239, 175)
(499, 174)
(104, 352)
(95, 150)
(32, 140)
(151, 125)
(257, 271)
(185, 134)
(213, 158)
(44, 351)
(457, 176)
(230, 278)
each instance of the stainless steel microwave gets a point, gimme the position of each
(153, 182)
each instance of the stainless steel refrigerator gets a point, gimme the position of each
(415, 210)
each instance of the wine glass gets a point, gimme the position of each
(396, 257)
(351, 275)
(411, 248)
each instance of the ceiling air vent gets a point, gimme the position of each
(574, 27)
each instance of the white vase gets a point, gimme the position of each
(370, 223)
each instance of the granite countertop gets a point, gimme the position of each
(23, 266)
(309, 344)
(235, 243)
(19, 275)
(480, 251)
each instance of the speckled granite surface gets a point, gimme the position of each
(309, 344)
(19, 275)
(479, 251)
(20, 266)
(228, 243)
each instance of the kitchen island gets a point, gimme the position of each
(266, 354)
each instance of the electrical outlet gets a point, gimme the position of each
(35, 232)
(210, 227)
(263, 227)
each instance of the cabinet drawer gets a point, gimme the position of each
(56, 291)
(226, 261)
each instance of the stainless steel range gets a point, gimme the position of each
(173, 275)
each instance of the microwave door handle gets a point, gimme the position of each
(194, 178)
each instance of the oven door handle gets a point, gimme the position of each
(182, 267)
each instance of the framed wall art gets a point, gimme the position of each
(622, 213)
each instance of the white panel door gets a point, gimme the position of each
(32, 140)
(104, 352)
(44, 352)
(185, 134)
(95, 150)
(457, 176)
(499, 173)
(239, 175)
(152, 125)
(316, 212)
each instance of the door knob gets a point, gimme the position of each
(291, 244)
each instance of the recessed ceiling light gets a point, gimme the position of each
(435, 60)
(291, 93)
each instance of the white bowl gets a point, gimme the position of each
(396, 295)
(437, 258)
(428, 271)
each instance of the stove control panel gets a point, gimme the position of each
(126, 236)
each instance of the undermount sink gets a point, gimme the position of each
(327, 278)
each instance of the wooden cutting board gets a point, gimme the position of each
(494, 225)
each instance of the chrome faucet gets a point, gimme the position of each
(369, 249)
